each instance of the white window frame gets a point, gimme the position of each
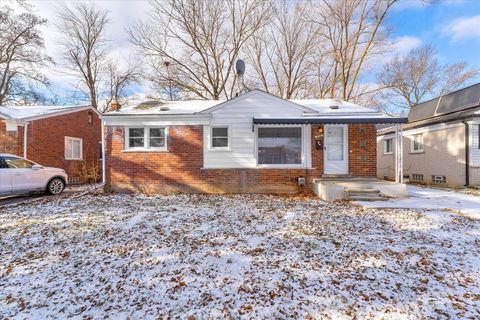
(385, 151)
(71, 139)
(282, 166)
(210, 143)
(146, 139)
(412, 143)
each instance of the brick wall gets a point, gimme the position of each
(180, 168)
(362, 148)
(11, 141)
(46, 141)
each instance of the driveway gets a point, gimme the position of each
(432, 199)
(70, 191)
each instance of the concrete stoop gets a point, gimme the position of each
(357, 189)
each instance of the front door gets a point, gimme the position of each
(336, 146)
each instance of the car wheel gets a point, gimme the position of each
(55, 186)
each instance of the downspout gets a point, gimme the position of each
(467, 153)
(104, 173)
(25, 131)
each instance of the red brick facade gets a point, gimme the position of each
(180, 169)
(46, 141)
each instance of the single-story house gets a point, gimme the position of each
(255, 142)
(67, 137)
(441, 140)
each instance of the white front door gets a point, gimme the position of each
(336, 149)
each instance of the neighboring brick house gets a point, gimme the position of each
(441, 139)
(255, 142)
(66, 137)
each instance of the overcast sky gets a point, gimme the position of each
(453, 27)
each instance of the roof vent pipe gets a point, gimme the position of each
(334, 107)
(164, 108)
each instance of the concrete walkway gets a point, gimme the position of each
(432, 199)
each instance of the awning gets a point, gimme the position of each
(311, 120)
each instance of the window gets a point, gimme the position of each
(73, 148)
(146, 139)
(388, 147)
(439, 179)
(279, 145)
(416, 143)
(17, 163)
(417, 177)
(90, 118)
(220, 138)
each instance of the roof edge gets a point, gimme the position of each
(249, 93)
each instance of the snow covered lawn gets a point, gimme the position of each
(197, 257)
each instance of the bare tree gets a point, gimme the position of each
(200, 40)
(281, 52)
(22, 55)
(420, 75)
(353, 33)
(119, 81)
(83, 28)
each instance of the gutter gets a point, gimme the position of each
(104, 173)
(467, 153)
(329, 120)
(25, 139)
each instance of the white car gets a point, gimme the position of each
(21, 176)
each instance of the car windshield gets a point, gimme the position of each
(17, 163)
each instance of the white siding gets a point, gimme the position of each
(475, 146)
(239, 116)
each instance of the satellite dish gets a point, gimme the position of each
(240, 67)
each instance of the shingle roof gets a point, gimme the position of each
(456, 101)
(26, 112)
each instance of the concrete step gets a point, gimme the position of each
(363, 194)
(363, 191)
(365, 198)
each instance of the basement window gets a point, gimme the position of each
(417, 177)
(439, 179)
(73, 148)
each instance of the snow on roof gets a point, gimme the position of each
(164, 107)
(24, 112)
(333, 106)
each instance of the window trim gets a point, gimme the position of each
(67, 138)
(146, 139)
(229, 136)
(412, 143)
(385, 146)
(282, 166)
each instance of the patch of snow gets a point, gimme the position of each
(22, 112)
(432, 199)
